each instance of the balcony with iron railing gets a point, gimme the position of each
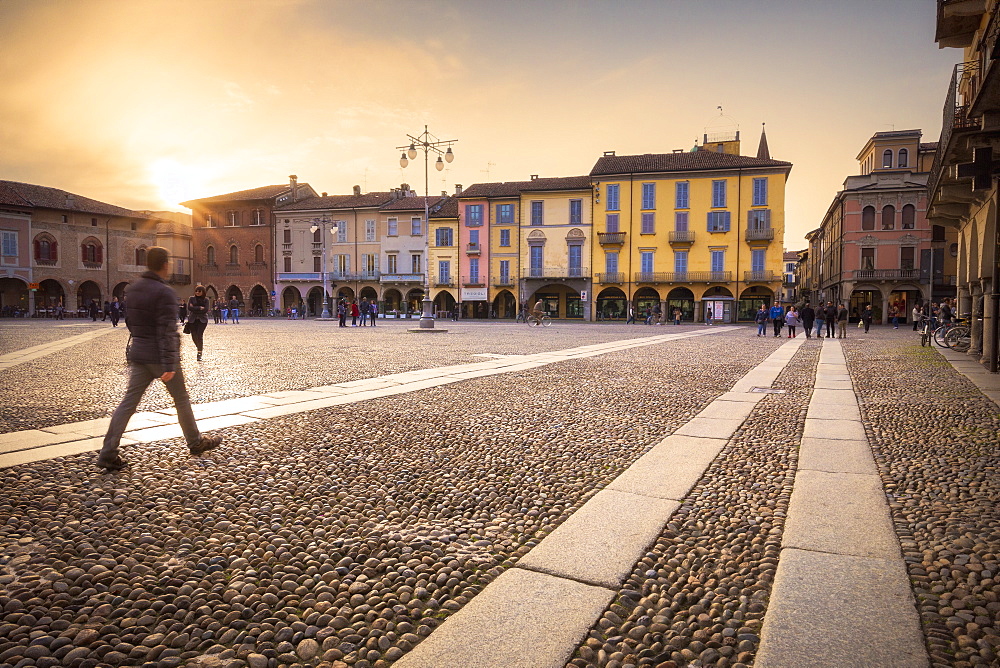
(179, 279)
(759, 276)
(503, 281)
(610, 277)
(611, 238)
(682, 236)
(986, 98)
(651, 276)
(445, 281)
(473, 281)
(887, 274)
(956, 118)
(401, 278)
(697, 276)
(472, 249)
(759, 234)
(556, 272)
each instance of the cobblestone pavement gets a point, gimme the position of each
(343, 536)
(19, 333)
(259, 356)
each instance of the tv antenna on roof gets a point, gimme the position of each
(487, 170)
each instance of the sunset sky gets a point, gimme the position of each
(145, 104)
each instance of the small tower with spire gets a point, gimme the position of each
(762, 151)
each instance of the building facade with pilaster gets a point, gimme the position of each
(964, 197)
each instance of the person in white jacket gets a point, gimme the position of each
(792, 321)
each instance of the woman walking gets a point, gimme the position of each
(197, 308)
(792, 321)
(866, 317)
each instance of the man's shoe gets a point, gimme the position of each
(199, 355)
(113, 466)
(205, 444)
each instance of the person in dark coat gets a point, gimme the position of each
(197, 308)
(808, 317)
(831, 319)
(94, 310)
(154, 353)
(116, 311)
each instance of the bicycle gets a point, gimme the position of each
(956, 329)
(535, 321)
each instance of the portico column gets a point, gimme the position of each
(885, 308)
(976, 344)
(989, 344)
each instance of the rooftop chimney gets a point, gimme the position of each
(70, 201)
(458, 188)
(357, 191)
(534, 177)
(444, 193)
(293, 183)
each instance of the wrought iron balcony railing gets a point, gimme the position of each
(759, 234)
(955, 117)
(682, 236)
(556, 272)
(759, 276)
(887, 274)
(611, 277)
(611, 238)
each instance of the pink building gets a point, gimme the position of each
(875, 245)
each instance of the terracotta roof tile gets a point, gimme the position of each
(515, 188)
(678, 162)
(263, 192)
(447, 208)
(411, 203)
(487, 190)
(28, 194)
(558, 183)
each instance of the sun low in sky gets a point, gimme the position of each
(146, 104)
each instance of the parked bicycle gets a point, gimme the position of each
(956, 335)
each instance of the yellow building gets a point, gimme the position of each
(556, 230)
(443, 254)
(701, 231)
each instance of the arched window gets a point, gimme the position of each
(91, 251)
(46, 248)
(210, 255)
(140, 256)
(318, 235)
(868, 218)
(887, 158)
(258, 254)
(234, 255)
(903, 158)
(908, 217)
(888, 217)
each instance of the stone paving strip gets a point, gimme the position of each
(34, 352)
(22, 447)
(536, 613)
(841, 594)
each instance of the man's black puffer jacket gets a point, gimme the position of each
(152, 320)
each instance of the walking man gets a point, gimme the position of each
(842, 315)
(777, 316)
(155, 353)
(808, 315)
(831, 319)
(234, 310)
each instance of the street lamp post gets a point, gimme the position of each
(322, 224)
(429, 144)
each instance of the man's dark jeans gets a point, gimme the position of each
(140, 377)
